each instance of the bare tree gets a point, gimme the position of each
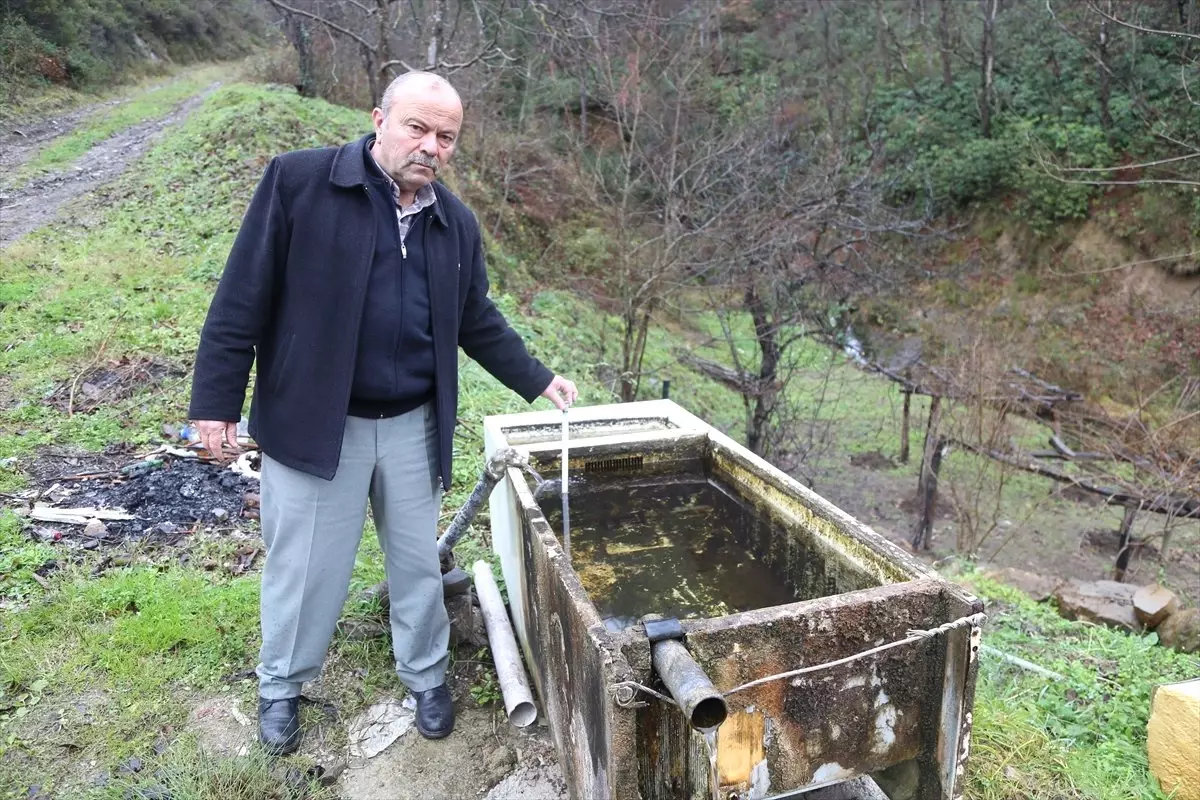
(808, 242)
(659, 174)
(393, 36)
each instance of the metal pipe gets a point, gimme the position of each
(514, 683)
(688, 684)
(493, 471)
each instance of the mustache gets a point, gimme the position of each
(422, 160)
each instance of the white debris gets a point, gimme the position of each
(374, 730)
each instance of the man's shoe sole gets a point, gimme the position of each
(436, 734)
(280, 750)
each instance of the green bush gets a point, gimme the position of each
(21, 51)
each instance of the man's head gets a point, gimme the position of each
(416, 128)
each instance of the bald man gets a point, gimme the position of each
(353, 280)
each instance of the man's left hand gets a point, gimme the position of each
(561, 392)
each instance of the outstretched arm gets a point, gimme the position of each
(239, 314)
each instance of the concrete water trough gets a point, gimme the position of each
(862, 660)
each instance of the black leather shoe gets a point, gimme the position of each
(435, 712)
(279, 725)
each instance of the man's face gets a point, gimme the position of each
(418, 136)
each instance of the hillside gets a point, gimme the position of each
(54, 54)
(108, 681)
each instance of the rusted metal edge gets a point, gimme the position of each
(759, 480)
(766, 616)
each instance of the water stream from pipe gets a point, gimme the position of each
(566, 507)
(714, 779)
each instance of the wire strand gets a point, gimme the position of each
(624, 692)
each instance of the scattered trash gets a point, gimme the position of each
(375, 729)
(165, 495)
(246, 556)
(235, 711)
(247, 464)
(76, 516)
(141, 467)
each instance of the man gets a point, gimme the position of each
(353, 280)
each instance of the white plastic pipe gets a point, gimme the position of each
(514, 683)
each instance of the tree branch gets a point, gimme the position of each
(327, 23)
(1111, 18)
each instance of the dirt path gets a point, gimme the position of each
(19, 141)
(37, 203)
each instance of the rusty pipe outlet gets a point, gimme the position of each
(688, 684)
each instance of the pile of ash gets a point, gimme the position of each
(181, 493)
(167, 500)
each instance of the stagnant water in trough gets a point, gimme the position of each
(671, 546)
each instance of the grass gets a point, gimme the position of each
(139, 645)
(19, 559)
(1084, 738)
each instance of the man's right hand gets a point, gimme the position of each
(211, 432)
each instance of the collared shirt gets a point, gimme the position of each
(423, 199)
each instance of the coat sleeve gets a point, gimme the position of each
(241, 308)
(486, 336)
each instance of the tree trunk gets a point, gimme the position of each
(433, 51)
(881, 41)
(1126, 535)
(929, 488)
(383, 49)
(583, 111)
(1102, 74)
(766, 335)
(987, 52)
(299, 35)
(944, 45)
(931, 433)
(633, 347)
(904, 422)
(372, 76)
(827, 47)
(1164, 550)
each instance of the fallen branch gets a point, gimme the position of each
(1172, 504)
(740, 381)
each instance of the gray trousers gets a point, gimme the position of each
(312, 528)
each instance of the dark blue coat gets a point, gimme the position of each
(292, 297)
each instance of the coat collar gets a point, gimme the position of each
(350, 171)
